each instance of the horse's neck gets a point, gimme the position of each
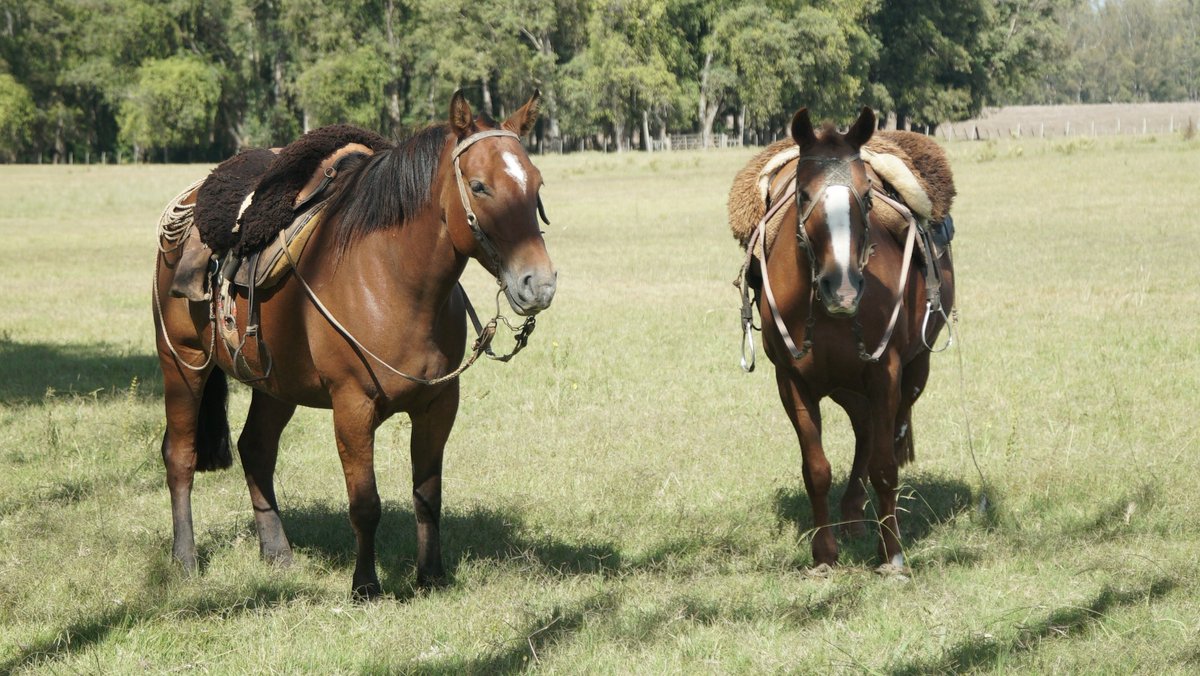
(415, 262)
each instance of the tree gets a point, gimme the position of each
(624, 72)
(17, 116)
(345, 88)
(173, 104)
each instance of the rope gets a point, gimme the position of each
(173, 227)
(176, 220)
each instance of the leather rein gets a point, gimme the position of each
(837, 174)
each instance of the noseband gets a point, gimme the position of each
(485, 243)
(837, 172)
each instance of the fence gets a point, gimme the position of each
(1075, 120)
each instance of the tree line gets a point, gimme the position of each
(198, 79)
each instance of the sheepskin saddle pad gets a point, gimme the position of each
(248, 199)
(911, 166)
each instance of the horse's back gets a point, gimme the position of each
(927, 158)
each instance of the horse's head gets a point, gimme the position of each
(492, 204)
(833, 199)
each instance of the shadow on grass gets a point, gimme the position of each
(981, 652)
(525, 650)
(926, 500)
(323, 530)
(88, 631)
(29, 370)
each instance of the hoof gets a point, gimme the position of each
(822, 571)
(891, 571)
(188, 563)
(431, 582)
(368, 591)
(281, 559)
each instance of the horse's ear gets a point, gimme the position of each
(802, 129)
(462, 120)
(522, 121)
(860, 132)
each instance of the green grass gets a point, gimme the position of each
(622, 497)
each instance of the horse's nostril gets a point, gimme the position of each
(826, 286)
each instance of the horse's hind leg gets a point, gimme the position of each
(197, 437)
(258, 447)
(354, 423)
(916, 374)
(854, 501)
(805, 413)
(430, 429)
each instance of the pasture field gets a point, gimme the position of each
(622, 498)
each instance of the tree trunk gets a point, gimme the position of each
(741, 122)
(487, 97)
(702, 109)
(647, 144)
(393, 87)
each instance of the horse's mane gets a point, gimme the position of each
(385, 189)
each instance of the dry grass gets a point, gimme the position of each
(621, 497)
(1103, 119)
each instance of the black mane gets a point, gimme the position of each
(385, 189)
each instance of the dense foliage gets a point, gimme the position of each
(197, 79)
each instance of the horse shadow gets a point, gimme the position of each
(926, 501)
(322, 530)
(30, 372)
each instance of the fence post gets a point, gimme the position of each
(1042, 131)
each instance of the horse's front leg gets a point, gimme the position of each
(883, 466)
(354, 423)
(805, 413)
(854, 501)
(430, 430)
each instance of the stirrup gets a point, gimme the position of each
(925, 324)
(748, 342)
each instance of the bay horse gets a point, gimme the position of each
(840, 275)
(370, 322)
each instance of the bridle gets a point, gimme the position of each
(486, 245)
(837, 172)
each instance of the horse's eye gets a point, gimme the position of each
(803, 196)
(478, 188)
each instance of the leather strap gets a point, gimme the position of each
(490, 252)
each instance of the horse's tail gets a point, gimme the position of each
(905, 449)
(213, 448)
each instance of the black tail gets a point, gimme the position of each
(213, 449)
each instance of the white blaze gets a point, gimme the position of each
(512, 167)
(837, 216)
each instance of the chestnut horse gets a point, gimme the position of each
(837, 273)
(370, 323)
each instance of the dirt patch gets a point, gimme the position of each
(1104, 119)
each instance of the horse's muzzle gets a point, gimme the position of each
(840, 293)
(531, 291)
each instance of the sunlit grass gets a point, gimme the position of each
(621, 497)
